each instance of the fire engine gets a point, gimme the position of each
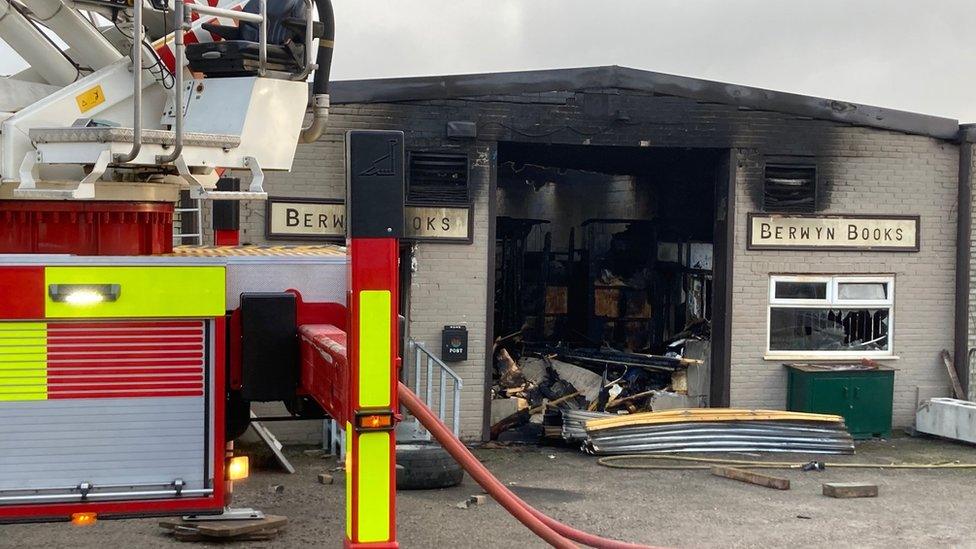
(128, 365)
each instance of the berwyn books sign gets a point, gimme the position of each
(322, 219)
(878, 233)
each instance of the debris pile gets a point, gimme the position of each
(549, 377)
(717, 430)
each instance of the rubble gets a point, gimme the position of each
(616, 322)
(580, 381)
(472, 501)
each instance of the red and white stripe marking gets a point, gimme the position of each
(125, 359)
(197, 34)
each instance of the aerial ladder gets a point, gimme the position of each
(123, 379)
(128, 366)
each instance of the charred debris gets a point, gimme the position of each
(536, 381)
(620, 324)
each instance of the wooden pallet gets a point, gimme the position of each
(225, 530)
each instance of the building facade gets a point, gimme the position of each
(810, 209)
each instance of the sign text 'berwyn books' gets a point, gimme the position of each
(325, 219)
(833, 232)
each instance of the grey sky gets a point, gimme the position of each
(904, 54)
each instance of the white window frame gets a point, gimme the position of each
(831, 301)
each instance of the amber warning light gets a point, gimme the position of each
(238, 468)
(374, 421)
(84, 519)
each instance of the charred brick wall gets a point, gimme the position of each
(861, 170)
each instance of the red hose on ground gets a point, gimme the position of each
(491, 485)
(541, 524)
(580, 536)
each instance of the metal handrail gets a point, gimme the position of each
(138, 35)
(180, 59)
(261, 19)
(420, 353)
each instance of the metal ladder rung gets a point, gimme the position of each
(185, 214)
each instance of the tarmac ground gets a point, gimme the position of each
(915, 508)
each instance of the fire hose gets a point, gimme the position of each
(549, 529)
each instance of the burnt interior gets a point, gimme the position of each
(604, 275)
(604, 246)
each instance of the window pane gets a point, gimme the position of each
(801, 290)
(862, 290)
(828, 329)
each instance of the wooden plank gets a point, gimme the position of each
(956, 385)
(272, 442)
(191, 535)
(237, 530)
(751, 477)
(171, 523)
(234, 528)
(850, 490)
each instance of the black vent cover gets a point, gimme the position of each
(438, 178)
(790, 189)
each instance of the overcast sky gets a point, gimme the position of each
(906, 54)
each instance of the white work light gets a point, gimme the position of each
(83, 294)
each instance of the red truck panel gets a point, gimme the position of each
(85, 228)
(21, 293)
(324, 367)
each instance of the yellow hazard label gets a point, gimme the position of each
(161, 292)
(373, 474)
(90, 98)
(375, 358)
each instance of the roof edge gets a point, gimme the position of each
(393, 90)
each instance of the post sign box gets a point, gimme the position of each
(454, 343)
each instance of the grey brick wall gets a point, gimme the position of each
(450, 287)
(866, 171)
(861, 171)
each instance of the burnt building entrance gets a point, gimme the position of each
(606, 258)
